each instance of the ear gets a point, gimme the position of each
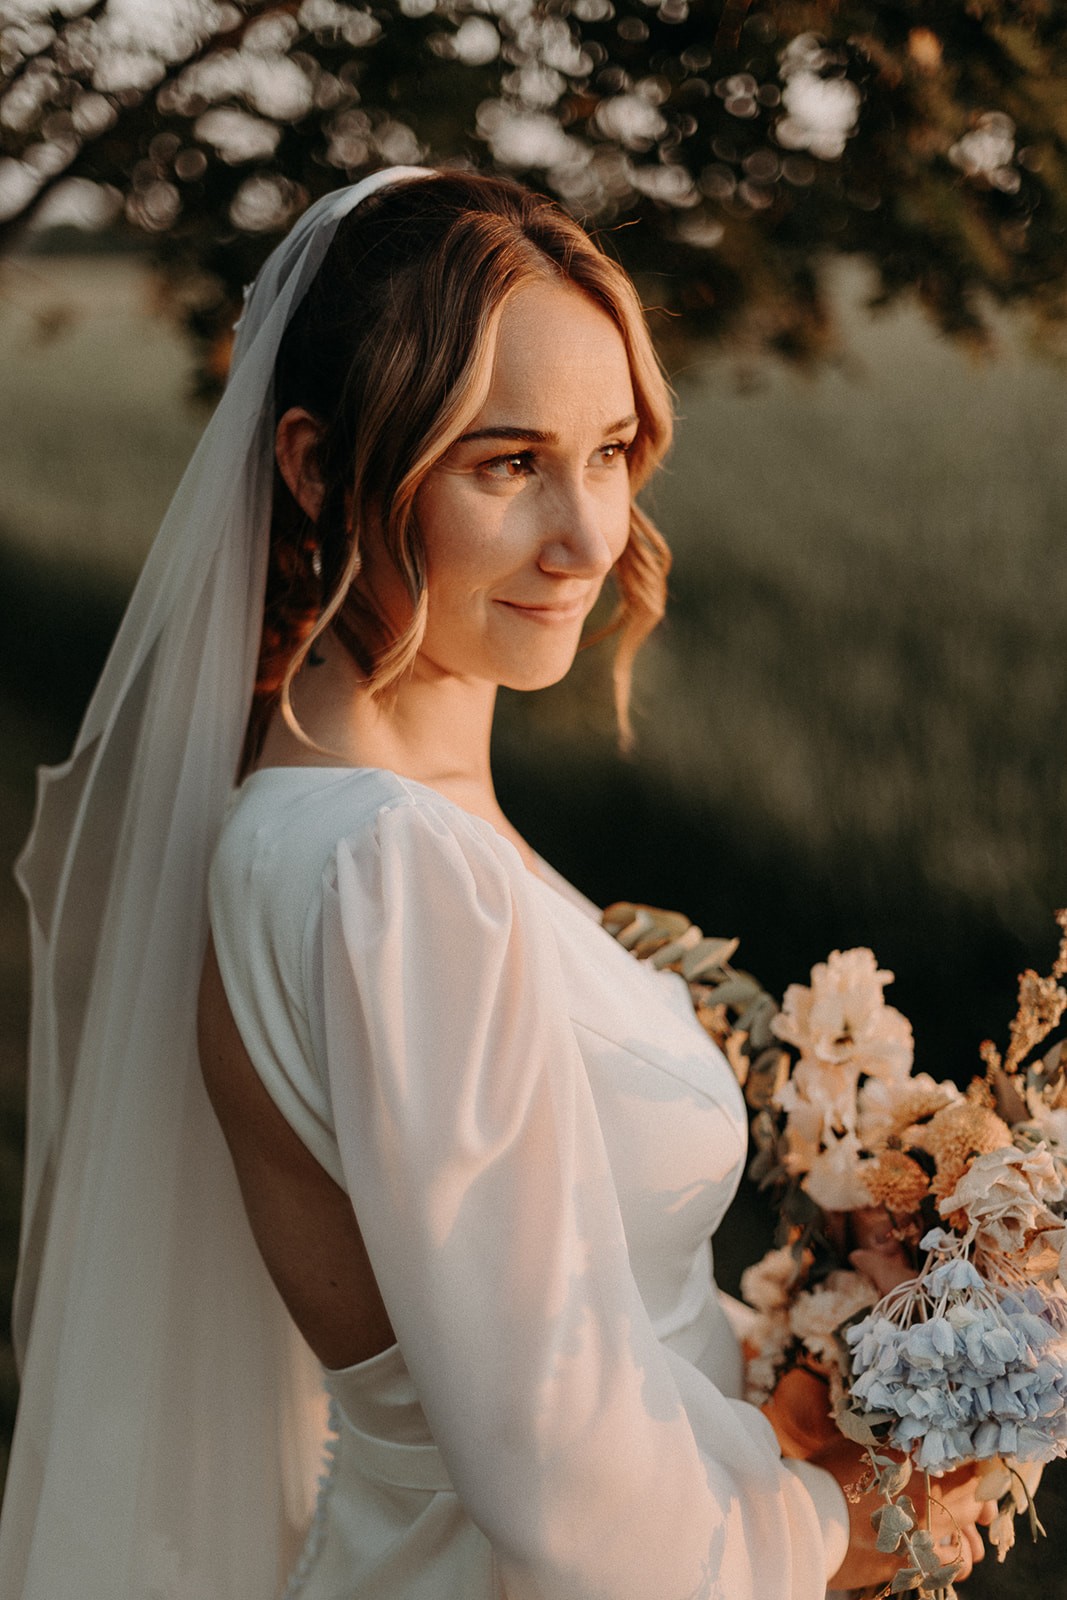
(295, 448)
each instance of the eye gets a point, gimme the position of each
(618, 450)
(519, 465)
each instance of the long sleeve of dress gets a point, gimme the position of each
(599, 1463)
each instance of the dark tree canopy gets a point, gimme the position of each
(733, 146)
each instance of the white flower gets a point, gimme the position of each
(770, 1338)
(1002, 1532)
(1006, 1196)
(889, 1105)
(843, 1018)
(804, 1133)
(834, 1180)
(1051, 1121)
(816, 1313)
(823, 1090)
(844, 1030)
(767, 1283)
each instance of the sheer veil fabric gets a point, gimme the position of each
(170, 1417)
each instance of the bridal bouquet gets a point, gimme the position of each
(960, 1197)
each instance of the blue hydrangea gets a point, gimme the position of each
(967, 1369)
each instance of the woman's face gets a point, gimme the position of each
(529, 510)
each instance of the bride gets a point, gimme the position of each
(460, 1156)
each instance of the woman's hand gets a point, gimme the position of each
(878, 1253)
(956, 1514)
(799, 1413)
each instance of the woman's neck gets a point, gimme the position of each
(435, 729)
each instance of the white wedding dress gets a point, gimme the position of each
(538, 1140)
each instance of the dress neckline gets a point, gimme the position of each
(545, 874)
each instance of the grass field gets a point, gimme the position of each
(851, 730)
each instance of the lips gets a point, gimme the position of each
(548, 611)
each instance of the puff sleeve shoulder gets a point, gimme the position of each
(599, 1464)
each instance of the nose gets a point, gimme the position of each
(584, 531)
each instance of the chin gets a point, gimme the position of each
(537, 675)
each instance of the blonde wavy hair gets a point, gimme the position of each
(392, 352)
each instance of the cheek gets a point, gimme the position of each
(619, 535)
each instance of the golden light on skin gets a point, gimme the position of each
(525, 515)
(924, 48)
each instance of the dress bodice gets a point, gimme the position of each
(539, 1141)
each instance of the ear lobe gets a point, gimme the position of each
(296, 442)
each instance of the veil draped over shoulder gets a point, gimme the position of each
(170, 1417)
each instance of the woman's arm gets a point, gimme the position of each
(596, 1462)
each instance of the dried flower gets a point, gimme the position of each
(1059, 966)
(835, 1178)
(1005, 1198)
(842, 1020)
(955, 1135)
(896, 1182)
(965, 1370)
(804, 1130)
(768, 1284)
(769, 1338)
(816, 1314)
(887, 1106)
(1041, 1005)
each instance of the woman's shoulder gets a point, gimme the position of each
(285, 825)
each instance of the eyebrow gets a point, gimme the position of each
(509, 430)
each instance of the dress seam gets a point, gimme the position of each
(316, 1534)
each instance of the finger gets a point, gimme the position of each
(957, 1550)
(977, 1544)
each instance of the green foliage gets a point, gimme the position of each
(891, 1522)
(741, 142)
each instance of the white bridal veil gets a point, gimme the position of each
(169, 1422)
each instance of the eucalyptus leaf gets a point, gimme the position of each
(762, 1164)
(924, 1552)
(891, 1524)
(766, 1076)
(895, 1477)
(760, 1032)
(774, 1176)
(859, 1426)
(764, 1132)
(942, 1575)
(736, 991)
(677, 948)
(906, 1578)
(634, 931)
(799, 1207)
(707, 956)
(618, 915)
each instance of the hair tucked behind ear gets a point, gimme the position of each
(392, 352)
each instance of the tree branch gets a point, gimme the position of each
(92, 14)
(12, 226)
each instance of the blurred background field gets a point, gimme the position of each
(850, 731)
